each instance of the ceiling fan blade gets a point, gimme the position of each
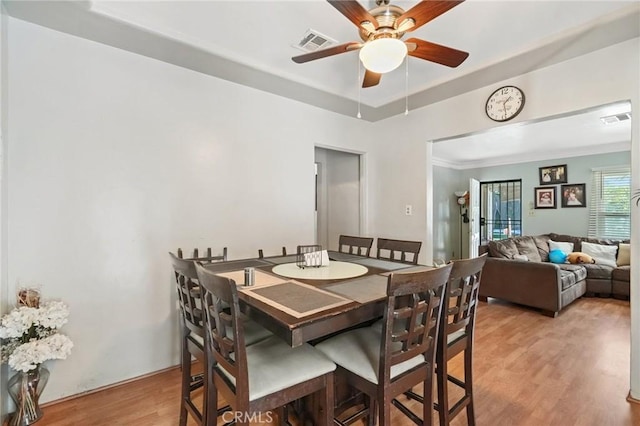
(371, 78)
(424, 12)
(355, 13)
(435, 52)
(335, 50)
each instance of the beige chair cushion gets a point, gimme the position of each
(359, 352)
(274, 366)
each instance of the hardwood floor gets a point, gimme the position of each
(529, 370)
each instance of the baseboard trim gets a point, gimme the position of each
(632, 399)
(110, 386)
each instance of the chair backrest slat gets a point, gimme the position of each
(188, 293)
(208, 258)
(225, 332)
(462, 296)
(411, 318)
(261, 253)
(398, 250)
(355, 245)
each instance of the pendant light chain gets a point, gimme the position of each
(406, 86)
(359, 86)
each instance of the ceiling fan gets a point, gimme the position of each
(382, 29)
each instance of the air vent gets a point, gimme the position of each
(616, 118)
(313, 40)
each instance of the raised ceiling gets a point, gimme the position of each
(570, 135)
(251, 43)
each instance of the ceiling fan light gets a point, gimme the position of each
(383, 55)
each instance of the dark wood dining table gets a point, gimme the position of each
(300, 310)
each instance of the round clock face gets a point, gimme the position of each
(505, 103)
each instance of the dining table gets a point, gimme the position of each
(304, 304)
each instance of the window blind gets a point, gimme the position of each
(610, 203)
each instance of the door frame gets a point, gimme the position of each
(362, 156)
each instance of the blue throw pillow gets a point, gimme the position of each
(557, 256)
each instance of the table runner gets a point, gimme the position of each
(379, 263)
(261, 278)
(234, 265)
(362, 290)
(281, 259)
(295, 298)
(346, 257)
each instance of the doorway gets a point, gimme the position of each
(500, 210)
(338, 195)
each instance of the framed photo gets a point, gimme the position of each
(552, 175)
(545, 197)
(574, 195)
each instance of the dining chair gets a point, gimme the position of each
(456, 336)
(208, 258)
(385, 362)
(390, 250)
(355, 245)
(192, 339)
(261, 253)
(264, 376)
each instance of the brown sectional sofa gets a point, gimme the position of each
(518, 270)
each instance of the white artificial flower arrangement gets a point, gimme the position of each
(29, 333)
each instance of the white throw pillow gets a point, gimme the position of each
(624, 254)
(603, 255)
(563, 246)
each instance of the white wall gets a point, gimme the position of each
(602, 77)
(4, 402)
(572, 221)
(118, 159)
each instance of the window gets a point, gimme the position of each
(500, 210)
(610, 209)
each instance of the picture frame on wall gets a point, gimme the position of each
(574, 195)
(545, 197)
(553, 175)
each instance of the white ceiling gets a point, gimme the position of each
(261, 34)
(250, 43)
(572, 135)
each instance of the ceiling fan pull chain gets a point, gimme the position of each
(406, 86)
(359, 88)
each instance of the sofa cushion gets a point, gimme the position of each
(567, 279)
(598, 271)
(564, 246)
(578, 271)
(603, 254)
(567, 238)
(542, 244)
(504, 249)
(624, 254)
(527, 246)
(621, 273)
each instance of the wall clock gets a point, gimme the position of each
(505, 103)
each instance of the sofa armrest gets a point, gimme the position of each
(535, 284)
